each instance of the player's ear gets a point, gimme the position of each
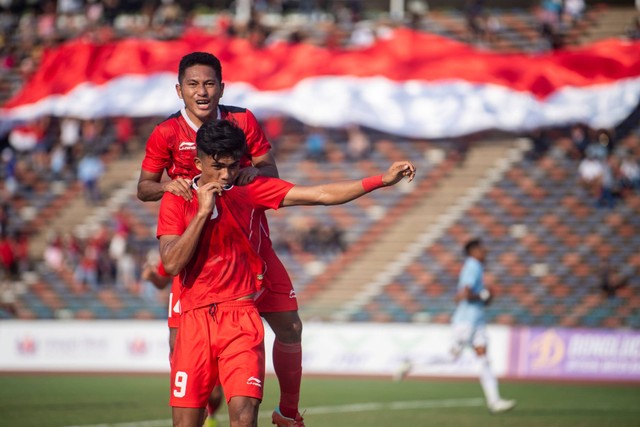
(221, 89)
(198, 163)
(179, 90)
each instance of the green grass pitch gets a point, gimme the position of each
(141, 401)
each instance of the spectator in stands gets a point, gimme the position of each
(316, 145)
(86, 271)
(550, 18)
(629, 172)
(54, 255)
(541, 142)
(9, 173)
(358, 143)
(70, 138)
(579, 134)
(123, 260)
(475, 18)
(609, 183)
(634, 31)
(124, 133)
(5, 215)
(611, 281)
(21, 250)
(90, 170)
(57, 161)
(591, 171)
(418, 10)
(8, 261)
(574, 11)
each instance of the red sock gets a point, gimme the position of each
(287, 362)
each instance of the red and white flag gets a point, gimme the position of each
(413, 84)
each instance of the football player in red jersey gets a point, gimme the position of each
(171, 147)
(211, 241)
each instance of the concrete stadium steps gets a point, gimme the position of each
(609, 22)
(73, 211)
(355, 278)
(546, 240)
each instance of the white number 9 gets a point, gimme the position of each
(180, 384)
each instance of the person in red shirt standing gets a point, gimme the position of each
(211, 242)
(171, 147)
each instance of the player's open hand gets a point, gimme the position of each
(179, 187)
(397, 171)
(247, 175)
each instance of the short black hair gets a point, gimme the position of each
(199, 58)
(471, 245)
(221, 138)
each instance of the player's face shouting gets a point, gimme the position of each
(201, 90)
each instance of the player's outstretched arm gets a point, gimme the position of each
(342, 192)
(151, 188)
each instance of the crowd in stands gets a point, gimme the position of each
(52, 152)
(306, 234)
(105, 256)
(608, 168)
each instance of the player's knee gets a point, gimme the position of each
(287, 328)
(291, 333)
(243, 412)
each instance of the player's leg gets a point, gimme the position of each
(287, 358)
(193, 368)
(488, 380)
(215, 399)
(173, 332)
(278, 305)
(241, 360)
(243, 411)
(187, 417)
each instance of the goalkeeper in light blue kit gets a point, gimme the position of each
(468, 322)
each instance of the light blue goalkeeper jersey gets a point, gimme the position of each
(470, 276)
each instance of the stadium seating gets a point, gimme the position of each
(547, 240)
(545, 235)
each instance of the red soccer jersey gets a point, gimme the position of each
(172, 144)
(225, 265)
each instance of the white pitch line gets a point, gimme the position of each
(354, 407)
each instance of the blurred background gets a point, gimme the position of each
(538, 155)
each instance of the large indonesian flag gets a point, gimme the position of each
(410, 83)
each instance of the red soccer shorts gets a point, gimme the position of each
(224, 342)
(277, 292)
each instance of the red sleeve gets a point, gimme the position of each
(157, 157)
(171, 218)
(268, 192)
(256, 139)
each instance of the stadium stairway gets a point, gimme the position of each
(610, 22)
(354, 283)
(120, 173)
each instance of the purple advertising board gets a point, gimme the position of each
(584, 354)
